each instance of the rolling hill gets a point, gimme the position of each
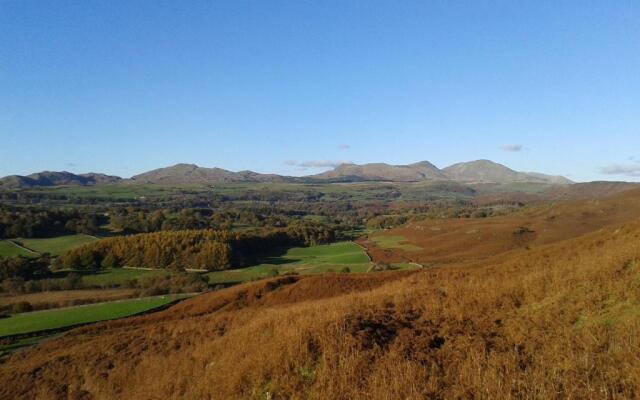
(181, 174)
(489, 171)
(52, 178)
(420, 171)
(463, 240)
(480, 171)
(589, 190)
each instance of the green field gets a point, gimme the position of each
(65, 317)
(301, 260)
(117, 276)
(112, 277)
(394, 242)
(113, 192)
(56, 245)
(8, 250)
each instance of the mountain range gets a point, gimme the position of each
(479, 171)
(53, 178)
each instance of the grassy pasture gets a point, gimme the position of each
(114, 192)
(64, 317)
(302, 260)
(56, 245)
(394, 242)
(8, 250)
(117, 276)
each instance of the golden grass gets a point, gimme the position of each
(463, 240)
(66, 298)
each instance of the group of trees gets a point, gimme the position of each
(195, 249)
(204, 249)
(31, 222)
(24, 268)
(386, 221)
(41, 213)
(133, 220)
(174, 283)
(25, 275)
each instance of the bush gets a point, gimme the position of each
(13, 285)
(21, 307)
(130, 283)
(32, 287)
(180, 283)
(24, 267)
(72, 281)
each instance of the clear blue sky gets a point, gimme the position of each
(287, 86)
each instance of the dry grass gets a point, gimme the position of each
(455, 241)
(65, 298)
(557, 321)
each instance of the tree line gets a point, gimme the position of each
(32, 222)
(24, 268)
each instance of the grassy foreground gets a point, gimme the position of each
(65, 317)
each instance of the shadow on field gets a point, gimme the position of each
(277, 257)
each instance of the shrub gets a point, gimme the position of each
(179, 283)
(13, 285)
(72, 281)
(21, 307)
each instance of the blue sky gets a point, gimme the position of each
(290, 86)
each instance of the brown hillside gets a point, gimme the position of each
(557, 321)
(589, 190)
(443, 241)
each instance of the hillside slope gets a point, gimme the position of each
(52, 178)
(181, 174)
(455, 240)
(559, 320)
(589, 190)
(480, 171)
(419, 171)
(489, 171)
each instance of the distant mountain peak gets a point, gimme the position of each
(182, 173)
(477, 171)
(54, 178)
(419, 171)
(422, 164)
(492, 172)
